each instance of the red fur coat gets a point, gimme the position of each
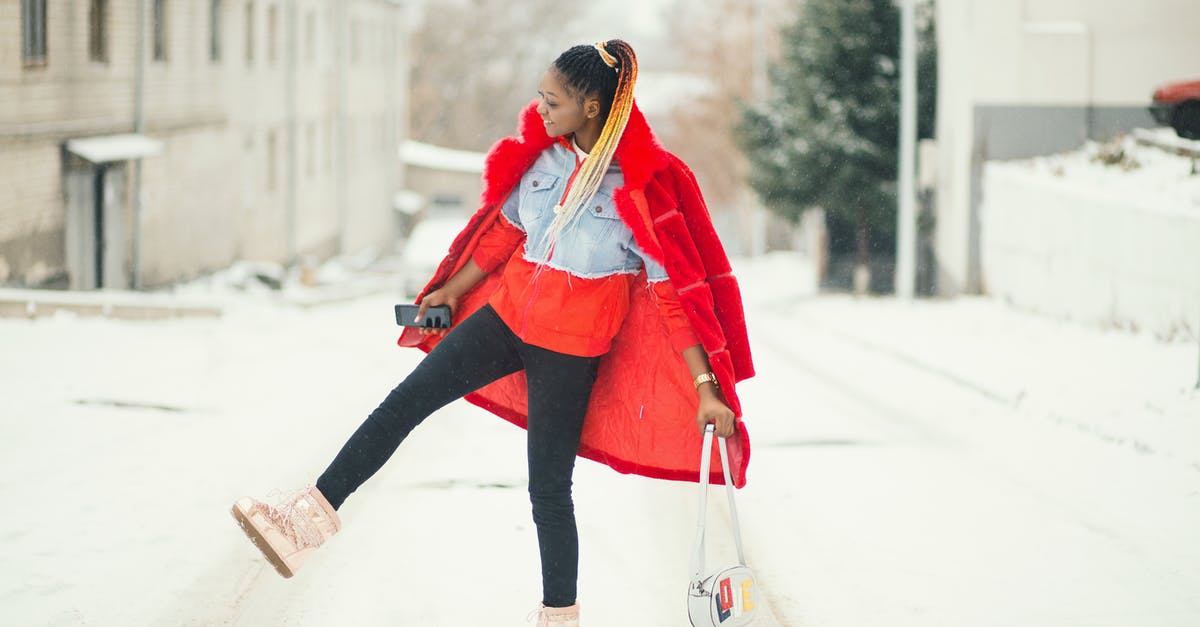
(642, 416)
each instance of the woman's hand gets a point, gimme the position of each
(712, 407)
(440, 296)
(714, 410)
(450, 292)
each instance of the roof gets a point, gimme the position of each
(424, 155)
(108, 148)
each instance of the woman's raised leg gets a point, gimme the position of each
(480, 350)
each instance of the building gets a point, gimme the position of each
(1019, 78)
(254, 129)
(443, 178)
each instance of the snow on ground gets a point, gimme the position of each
(926, 463)
(1123, 168)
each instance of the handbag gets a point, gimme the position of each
(726, 597)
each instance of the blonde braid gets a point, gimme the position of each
(587, 182)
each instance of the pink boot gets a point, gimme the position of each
(557, 616)
(288, 533)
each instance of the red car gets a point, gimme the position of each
(1178, 105)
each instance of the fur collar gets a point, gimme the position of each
(639, 154)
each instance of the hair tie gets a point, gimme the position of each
(610, 60)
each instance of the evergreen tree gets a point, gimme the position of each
(828, 136)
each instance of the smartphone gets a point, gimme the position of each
(435, 317)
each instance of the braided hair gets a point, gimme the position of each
(608, 72)
(584, 71)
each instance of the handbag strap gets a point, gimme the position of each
(705, 464)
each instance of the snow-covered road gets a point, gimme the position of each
(937, 463)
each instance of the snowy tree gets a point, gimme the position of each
(828, 135)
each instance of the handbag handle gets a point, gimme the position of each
(705, 464)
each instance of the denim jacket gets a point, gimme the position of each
(574, 296)
(599, 245)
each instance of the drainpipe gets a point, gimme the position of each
(290, 88)
(341, 170)
(139, 126)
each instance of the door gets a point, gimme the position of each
(95, 236)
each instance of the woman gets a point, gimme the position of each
(590, 269)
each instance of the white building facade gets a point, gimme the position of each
(267, 130)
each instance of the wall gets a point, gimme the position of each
(1025, 77)
(1063, 249)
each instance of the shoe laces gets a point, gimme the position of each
(292, 515)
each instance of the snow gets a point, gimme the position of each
(914, 463)
(425, 155)
(1107, 234)
(1143, 176)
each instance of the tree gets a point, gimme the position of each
(715, 41)
(828, 135)
(477, 64)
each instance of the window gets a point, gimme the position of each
(272, 37)
(160, 30)
(271, 148)
(329, 146)
(214, 32)
(390, 56)
(310, 162)
(33, 27)
(310, 28)
(381, 133)
(98, 31)
(327, 51)
(249, 33)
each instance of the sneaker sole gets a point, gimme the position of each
(243, 521)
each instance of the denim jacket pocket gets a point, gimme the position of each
(602, 212)
(539, 193)
(603, 237)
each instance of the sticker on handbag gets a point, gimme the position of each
(730, 605)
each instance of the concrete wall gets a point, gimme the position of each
(283, 146)
(1024, 77)
(1065, 250)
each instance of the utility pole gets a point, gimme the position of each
(906, 228)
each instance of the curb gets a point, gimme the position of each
(31, 304)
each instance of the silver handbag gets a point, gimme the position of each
(728, 596)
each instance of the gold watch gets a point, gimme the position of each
(707, 377)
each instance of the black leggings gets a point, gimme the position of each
(480, 350)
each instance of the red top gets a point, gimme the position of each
(562, 312)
